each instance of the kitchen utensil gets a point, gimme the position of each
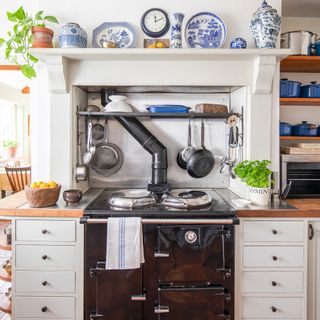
(97, 131)
(211, 108)
(286, 191)
(289, 89)
(118, 104)
(311, 90)
(201, 161)
(168, 108)
(305, 129)
(108, 157)
(285, 129)
(299, 42)
(90, 147)
(72, 196)
(181, 160)
(93, 108)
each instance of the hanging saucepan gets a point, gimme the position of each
(108, 157)
(181, 157)
(201, 161)
(97, 131)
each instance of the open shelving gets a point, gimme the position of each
(307, 64)
(299, 138)
(300, 101)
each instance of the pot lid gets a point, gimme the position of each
(305, 124)
(265, 7)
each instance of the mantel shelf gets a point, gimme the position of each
(189, 115)
(158, 54)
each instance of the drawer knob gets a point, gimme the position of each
(274, 231)
(275, 258)
(44, 283)
(274, 284)
(44, 231)
(44, 309)
(44, 257)
(274, 309)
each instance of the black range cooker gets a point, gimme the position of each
(189, 257)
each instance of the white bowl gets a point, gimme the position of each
(118, 104)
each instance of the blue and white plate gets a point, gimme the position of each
(121, 33)
(205, 30)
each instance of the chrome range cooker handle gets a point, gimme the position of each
(88, 220)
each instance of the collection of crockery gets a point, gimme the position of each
(301, 129)
(294, 89)
(202, 30)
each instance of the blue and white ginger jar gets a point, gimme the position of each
(72, 36)
(238, 43)
(265, 26)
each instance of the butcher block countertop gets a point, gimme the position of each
(17, 205)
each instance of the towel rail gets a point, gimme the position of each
(87, 220)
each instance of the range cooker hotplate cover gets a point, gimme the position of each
(218, 208)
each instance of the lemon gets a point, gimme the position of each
(153, 45)
(43, 185)
(160, 45)
(52, 184)
(34, 185)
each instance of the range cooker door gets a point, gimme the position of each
(109, 294)
(195, 254)
(193, 303)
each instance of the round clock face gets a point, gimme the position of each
(155, 23)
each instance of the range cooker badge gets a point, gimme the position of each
(191, 236)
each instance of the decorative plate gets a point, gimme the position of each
(205, 30)
(121, 33)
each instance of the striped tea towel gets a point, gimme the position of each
(124, 244)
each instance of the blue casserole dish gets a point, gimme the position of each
(305, 129)
(285, 129)
(168, 108)
(289, 89)
(311, 90)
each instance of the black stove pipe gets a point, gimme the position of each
(153, 146)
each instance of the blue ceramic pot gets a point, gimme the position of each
(265, 26)
(72, 36)
(289, 89)
(316, 47)
(238, 43)
(305, 129)
(285, 129)
(311, 90)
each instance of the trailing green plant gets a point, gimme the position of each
(10, 144)
(254, 173)
(19, 41)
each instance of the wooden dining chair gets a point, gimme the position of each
(18, 177)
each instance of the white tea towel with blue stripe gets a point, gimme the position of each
(124, 244)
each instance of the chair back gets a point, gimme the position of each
(18, 177)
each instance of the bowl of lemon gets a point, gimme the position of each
(42, 194)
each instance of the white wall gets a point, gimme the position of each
(304, 23)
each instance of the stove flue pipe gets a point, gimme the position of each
(150, 143)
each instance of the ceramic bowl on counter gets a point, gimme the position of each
(289, 89)
(72, 196)
(285, 129)
(305, 129)
(311, 90)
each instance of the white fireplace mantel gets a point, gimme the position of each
(58, 59)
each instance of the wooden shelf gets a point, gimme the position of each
(309, 64)
(298, 138)
(300, 101)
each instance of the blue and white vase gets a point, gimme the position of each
(176, 20)
(72, 36)
(265, 26)
(238, 43)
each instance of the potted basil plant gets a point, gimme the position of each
(27, 32)
(257, 176)
(10, 147)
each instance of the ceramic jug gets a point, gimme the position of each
(265, 26)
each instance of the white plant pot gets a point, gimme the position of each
(259, 196)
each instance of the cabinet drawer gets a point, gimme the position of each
(273, 308)
(43, 230)
(44, 256)
(272, 282)
(45, 281)
(273, 231)
(44, 307)
(273, 257)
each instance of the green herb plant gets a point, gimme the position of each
(19, 41)
(254, 173)
(10, 144)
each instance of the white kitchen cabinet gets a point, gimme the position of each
(271, 263)
(47, 268)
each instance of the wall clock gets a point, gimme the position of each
(155, 23)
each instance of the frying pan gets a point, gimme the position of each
(201, 161)
(108, 158)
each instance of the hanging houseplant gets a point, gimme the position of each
(28, 32)
(256, 175)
